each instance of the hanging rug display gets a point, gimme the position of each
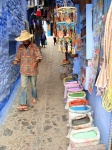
(105, 75)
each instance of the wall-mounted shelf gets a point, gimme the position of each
(87, 48)
(87, 34)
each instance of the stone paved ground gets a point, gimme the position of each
(43, 126)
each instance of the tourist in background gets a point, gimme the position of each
(43, 39)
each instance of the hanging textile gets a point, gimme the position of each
(97, 32)
(105, 76)
(38, 13)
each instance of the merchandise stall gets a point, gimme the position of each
(98, 90)
(94, 81)
(68, 40)
(66, 18)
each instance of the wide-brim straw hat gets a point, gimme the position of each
(24, 36)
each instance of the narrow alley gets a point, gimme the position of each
(43, 126)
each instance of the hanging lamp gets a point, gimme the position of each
(66, 23)
(66, 10)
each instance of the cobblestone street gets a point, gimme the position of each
(43, 126)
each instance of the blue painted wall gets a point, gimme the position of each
(101, 117)
(12, 16)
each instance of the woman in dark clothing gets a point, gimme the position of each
(43, 39)
(54, 40)
(38, 31)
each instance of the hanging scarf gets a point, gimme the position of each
(105, 74)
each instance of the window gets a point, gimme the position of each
(12, 48)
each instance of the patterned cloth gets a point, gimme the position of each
(28, 57)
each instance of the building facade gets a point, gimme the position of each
(12, 20)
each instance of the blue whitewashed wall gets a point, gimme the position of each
(12, 16)
(102, 118)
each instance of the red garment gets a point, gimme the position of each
(38, 13)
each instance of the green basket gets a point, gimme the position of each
(80, 94)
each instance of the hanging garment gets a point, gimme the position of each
(103, 74)
(27, 26)
(38, 13)
(42, 12)
(45, 13)
(40, 22)
(107, 64)
(107, 98)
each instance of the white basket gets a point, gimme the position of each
(81, 126)
(83, 142)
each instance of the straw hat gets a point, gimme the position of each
(24, 36)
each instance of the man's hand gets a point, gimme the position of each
(14, 62)
(35, 64)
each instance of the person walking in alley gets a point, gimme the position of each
(37, 32)
(54, 40)
(29, 56)
(43, 39)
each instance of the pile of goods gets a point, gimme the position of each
(81, 130)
